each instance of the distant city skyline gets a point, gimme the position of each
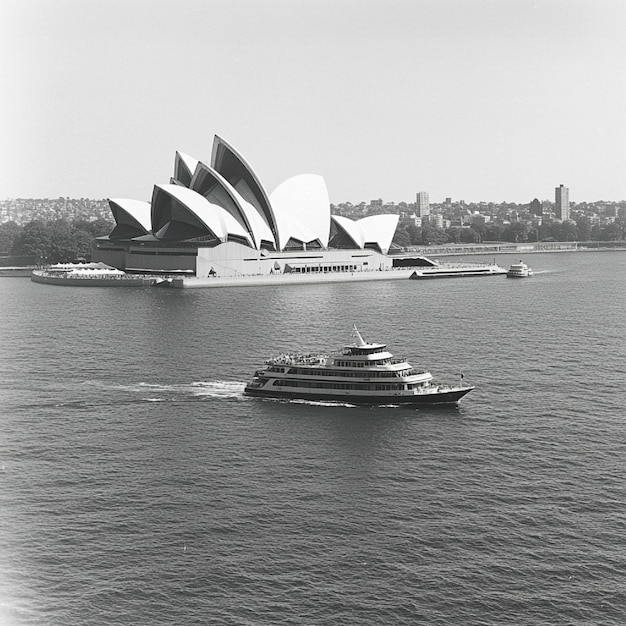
(480, 100)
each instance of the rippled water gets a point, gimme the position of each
(138, 485)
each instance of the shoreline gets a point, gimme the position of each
(178, 282)
(513, 248)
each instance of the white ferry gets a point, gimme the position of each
(450, 270)
(519, 270)
(361, 373)
(88, 275)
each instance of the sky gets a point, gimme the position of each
(476, 100)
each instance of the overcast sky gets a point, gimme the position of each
(497, 100)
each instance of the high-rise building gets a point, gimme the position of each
(422, 208)
(436, 220)
(561, 201)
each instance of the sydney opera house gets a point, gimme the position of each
(218, 220)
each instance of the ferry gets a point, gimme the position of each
(519, 270)
(449, 270)
(360, 373)
(88, 275)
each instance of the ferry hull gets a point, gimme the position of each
(445, 397)
(456, 273)
(93, 281)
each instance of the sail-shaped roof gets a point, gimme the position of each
(350, 228)
(181, 213)
(233, 167)
(302, 209)
(378, 230)
(213, 186)
(226, 201)
(375, 231)
(184, 167)
(132, 218)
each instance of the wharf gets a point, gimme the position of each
(440, 271)
(511, 248)
(17, 272)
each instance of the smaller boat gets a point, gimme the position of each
(519, 270)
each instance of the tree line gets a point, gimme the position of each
(517, 232)
(55, 241)
(63, 241)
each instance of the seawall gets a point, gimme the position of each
(513, 248)
(320, 277)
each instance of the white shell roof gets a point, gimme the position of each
(379, 229)
(189, 161)
(218, 220)
(298, 209)
(260, 229)
(248, 213)
(233, 227)
(234, 168)
(302, 209)
(290, 228)
(137, 209)
(351, 228)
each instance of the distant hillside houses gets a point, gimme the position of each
(444, 215)
(477, 222)
(461, 213)
(24, 210)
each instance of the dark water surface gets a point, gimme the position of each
(138, 485)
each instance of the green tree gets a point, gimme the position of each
(9, 231)
(83, 242)
(613, 232)
(569, 231)
(52, 242)
(96, 228)
(434, 235)
(493, 232)
(481, 229)
(584, 228)
(415, 234)
(33, 241)
(454, 234)
(516, 232)
(63, 247)
(596, 233)
(401, 238)
(469, 235)
(441, 236)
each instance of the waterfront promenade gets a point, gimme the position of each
(511, 248)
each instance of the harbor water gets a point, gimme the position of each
(139, 486)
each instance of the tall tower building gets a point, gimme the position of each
(422, 208)
(561, 200)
